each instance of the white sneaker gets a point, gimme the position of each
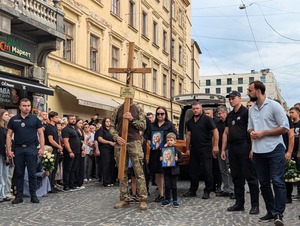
(90, 179)
(85, 180)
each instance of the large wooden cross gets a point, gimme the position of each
(129, 83)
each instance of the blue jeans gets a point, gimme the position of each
(270, 167)
(25, 157)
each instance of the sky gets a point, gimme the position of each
(266, 34)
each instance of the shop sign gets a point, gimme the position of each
(17, 46)
(8, 95)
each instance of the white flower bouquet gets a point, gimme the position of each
(292, 174)
(48, 161)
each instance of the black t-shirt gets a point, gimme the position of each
(51, 130)
(285, 136)
(106, 135)
(74, 138)
(201, 132)
(297, 131)
(237, 123)
(221, 127)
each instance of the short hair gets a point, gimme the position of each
(52, 114)
(296, 104)
(259, 85)
(295, 109)
(24, 100)
(222, 108)
(171, 135)
(209, 109)
(149, 113)
(196, 103)
(71, 116)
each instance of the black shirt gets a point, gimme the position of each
(297, 130)
(51, 130)
(25, 129)
(106, 135)
(237, 123)
(285, 136)
(201, 132)
(74, 138)
(221, 127)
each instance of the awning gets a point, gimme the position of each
(92, 99)
(22, 83)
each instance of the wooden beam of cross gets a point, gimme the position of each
(129, 83)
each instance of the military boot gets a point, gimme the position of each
(143, 204)
(121, 204)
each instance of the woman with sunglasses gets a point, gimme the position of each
(163, 126)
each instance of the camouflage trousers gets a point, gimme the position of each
(136, 155)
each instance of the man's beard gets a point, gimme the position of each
(253, 99)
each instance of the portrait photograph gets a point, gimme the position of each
(168, 155)
(157, 139)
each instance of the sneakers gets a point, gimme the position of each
(17, 200)
(166, 202)
(159, 198)
(134, 199)
(189, 194)
(278, 220)
(175, 204)
(267, 218)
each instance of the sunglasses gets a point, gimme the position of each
(248, 106)
(158, 114)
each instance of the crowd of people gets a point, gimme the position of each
(250, 143)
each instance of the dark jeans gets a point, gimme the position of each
(52, 175)
(217, 182)
(270, 167)
(69, 169)
(100, 170)
(170, 184)
(108, 164)
(197, 158)
(242, 169)
(25, 157)
(79, 175)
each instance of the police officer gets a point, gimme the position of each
(25, 128)
(137, 124)
(236, 138)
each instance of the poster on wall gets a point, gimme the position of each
(9, 96)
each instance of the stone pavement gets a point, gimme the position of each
(94, 206)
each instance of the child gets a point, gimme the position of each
(171, 173)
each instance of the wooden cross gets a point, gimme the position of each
(129, 83)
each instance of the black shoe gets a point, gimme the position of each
(189, 194)
(232, 196)
(254, 210)
(159, 198)
(235, 207)
(218, 189)
(288, 200)
(66, 189)
(267, 218)
(205, 195)
(223, 194)
(34, 199)
(278, 220)
(52, 191)
(56, 189)
(17, 200)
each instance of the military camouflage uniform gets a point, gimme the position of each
(134, 149)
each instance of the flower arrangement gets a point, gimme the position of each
(292, 174)
(48, 161)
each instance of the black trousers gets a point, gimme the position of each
(70, 166)
(242, 169)
(216, 174)
(108, 166)
(170, 184)
(52, 175)
(198, 158)
(79, 175)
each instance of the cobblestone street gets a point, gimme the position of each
(94, 206)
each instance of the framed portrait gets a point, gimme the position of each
(157, 139)
(168, 155)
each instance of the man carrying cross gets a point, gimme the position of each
(137, 123)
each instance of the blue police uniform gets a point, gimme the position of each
(25, 150)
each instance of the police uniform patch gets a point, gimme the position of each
(233, 122)
(23, 124)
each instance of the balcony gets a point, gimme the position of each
(39, 20)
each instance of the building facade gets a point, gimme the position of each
(29, 31)
(98, 33)
(224, 84)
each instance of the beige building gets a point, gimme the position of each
(223, 84)
(97, 37)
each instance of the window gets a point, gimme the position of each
(180, 18)
(240, 89)
(154, 78)
(207, 90)
(93, 53)
(172, 88)
(164, 87)
(173, 9)
(207, 82)
(144, 78)
(165, 4)
(263, 78)
(218, 82)
(228, 89)
(218, 90)
(251, 79)
(145, 24)
(115, 7)
(173, 49)
(132, 13)
(180, 54)
(229, 81)
(115, 54)
(155, 36)
(68, 42)
(180, 87)
(240, 81)
(165, 40)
